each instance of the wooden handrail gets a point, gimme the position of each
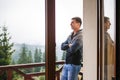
(29, 65)
(27, 76)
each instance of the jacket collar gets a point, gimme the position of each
(76, 33)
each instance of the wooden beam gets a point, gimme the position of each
(50, 39)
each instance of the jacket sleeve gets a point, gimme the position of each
(76, 45)
(64, 45)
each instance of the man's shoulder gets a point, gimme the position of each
(80, 32)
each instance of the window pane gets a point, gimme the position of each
(65, 11)
(109, 37)
(25, 23)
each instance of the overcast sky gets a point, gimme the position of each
(26, 19)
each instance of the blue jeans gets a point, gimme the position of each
(70, 72)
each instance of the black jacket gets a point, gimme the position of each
(75, 52)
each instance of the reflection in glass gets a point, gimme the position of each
(109, 39)
(109, 52)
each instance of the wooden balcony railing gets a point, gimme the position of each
(28, 76)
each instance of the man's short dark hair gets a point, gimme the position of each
(78, 19)
(106, 19)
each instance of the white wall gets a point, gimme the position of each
(90, 39)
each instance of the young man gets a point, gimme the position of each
(74, 50)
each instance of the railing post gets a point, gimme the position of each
(58, 76)
(28, 78)
(50, 39)
(9, 74)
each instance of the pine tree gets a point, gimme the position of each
(23, 55)
(37, 58)
(5, 49)
(23, 59)
(38, 55)
(30, 59)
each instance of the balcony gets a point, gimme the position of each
(29, 76)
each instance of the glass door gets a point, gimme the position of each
(109, 40)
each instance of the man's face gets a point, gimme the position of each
(107, 25)
(75, 25)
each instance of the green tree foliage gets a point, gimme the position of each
(42, 78)
(13, 62)
(43, 60)
(29, 57)
(5, 49)
(43, 57)
(30, 60)
(37, 58)
(23, 55)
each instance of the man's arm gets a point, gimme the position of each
(65, 45)
(75, 45)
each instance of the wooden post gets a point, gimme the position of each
(58, 75)
(9, 74)
(50, 39)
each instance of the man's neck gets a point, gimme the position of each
(75, 31)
